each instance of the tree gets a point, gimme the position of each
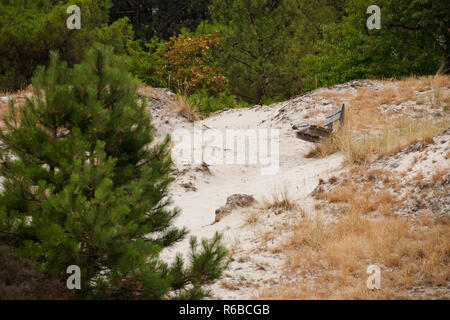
(82, 186)
(426, 21)
(161, 18)
(29, 30)
(257, 38)
(413, 39)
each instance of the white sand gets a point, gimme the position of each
(297, 174)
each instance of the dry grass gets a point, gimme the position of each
(336, 256)
(362, 198)
(182, 108)
(364, 112)
(281, 201)
(252, 216)
(148, 91)
(234, 249)
(26, 91)
(368, 132)
(360, 148)
(438, 176)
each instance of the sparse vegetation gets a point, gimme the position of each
(181, 107)
(281, 201)
(330, 261)
(369, 132)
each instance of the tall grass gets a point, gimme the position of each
(360, 148)
(369, 133)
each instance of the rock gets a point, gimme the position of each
(234, 201)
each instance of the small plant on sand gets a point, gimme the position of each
(281, 201)
(181, 107)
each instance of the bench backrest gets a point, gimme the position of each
(334, 115)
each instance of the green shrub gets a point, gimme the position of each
(147, 62)
(204, 103)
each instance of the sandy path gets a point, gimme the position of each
(296, 173)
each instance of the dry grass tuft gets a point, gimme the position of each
(182, 108)
(252, 216)
(281, 201)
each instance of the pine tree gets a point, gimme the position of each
(257, 38)
(82, 186)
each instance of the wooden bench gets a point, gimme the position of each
(312, 133)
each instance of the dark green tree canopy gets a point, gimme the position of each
(162, 18)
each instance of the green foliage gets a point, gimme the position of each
(162, 18)
(118, 34)
(29, 30)
(147, 62)
(257, 38)
(205, 103)
(81, 187)
(411, 41)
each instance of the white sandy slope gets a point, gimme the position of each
(251, 268)
(254, 265)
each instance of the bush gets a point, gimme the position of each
(204, 103)
(191, 65)
(118, 35)
(147, 62)
(256, 48)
